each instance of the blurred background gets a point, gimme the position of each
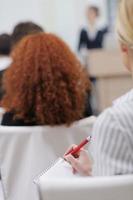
(68, 19)
(89, 28)
(64, 18)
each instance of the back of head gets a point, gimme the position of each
(24, 29)
(125, 22)
(46, 83)
(5, 44)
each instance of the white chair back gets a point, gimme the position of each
(1, 192)
(102, 188)
(26, 151)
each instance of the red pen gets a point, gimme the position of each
(76, 149)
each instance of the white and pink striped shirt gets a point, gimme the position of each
(112, 141)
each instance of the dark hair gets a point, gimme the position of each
(95, 9)
(45, 84)
(23, 29)
(5, 44)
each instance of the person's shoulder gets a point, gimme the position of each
(83, 31)
(7, 118)
(106, 117)
(123, 107)
(104, 29)
(106, 126)
(120, 115)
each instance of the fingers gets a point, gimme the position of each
(70, 149)
(86, 161)
(82, 165)
(84, 156)
(74, 163)
(78, 166)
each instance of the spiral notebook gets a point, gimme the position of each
(59, 169)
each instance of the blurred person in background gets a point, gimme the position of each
(45, 84)
(92, 37)
(8, 42)
(5, 60)
(24, 29)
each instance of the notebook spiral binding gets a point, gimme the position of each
(36, 180)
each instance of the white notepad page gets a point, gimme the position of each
(60, 169)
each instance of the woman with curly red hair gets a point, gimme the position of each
(45, 84)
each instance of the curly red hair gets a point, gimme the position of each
(45, 84)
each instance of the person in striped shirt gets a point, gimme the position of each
(112, 135)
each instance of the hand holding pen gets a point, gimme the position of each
(75, 150)
(82, 164)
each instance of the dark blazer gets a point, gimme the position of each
(8, 120)
(86, 42)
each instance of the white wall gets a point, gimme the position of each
(13, 11)
(70, 17)
(63, 17)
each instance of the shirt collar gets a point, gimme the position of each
(92, 32)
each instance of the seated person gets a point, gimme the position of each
(24, 29)
(7, 43)
(45, 84)
(5, 60)
(112, 134)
